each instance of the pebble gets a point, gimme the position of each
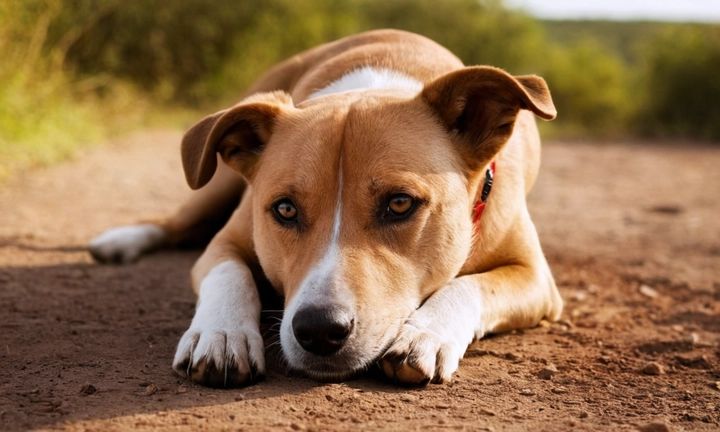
(182, 389)
(648, 291)
(408, 398)
(527, 392)
(88, 389)
(512, 356)
(653, 368)
(547, 372)
(560, 390)
(655, 427)
(151, 389)
(584, 414)
(486, 411)
(717, 385)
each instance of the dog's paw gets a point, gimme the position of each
(420, 355)
(221, 358)
(126, 244)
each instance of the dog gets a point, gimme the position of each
(381, 188)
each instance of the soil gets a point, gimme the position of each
(631, 231)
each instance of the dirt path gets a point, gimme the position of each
(632, 233)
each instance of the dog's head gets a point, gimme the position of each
(362, 202)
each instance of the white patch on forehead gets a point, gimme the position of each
(367, 78)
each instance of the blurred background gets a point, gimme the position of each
(77, 72)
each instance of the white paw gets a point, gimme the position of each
(223, 346)
(432, 341)
(221, 357)
(126, 244)
(421, 355)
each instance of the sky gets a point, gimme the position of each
(652, 10)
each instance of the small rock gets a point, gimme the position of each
(88, 389)
(655, 427)
(151, 389)
(648, 291)
(678, 328)
(486, 411)
(653, 368)
(408, 398)
(295, 426)
(696, 362)
(527, 392)
(717, 385)
(583, 415)
(547, 372)
(182, 389)
(442, 406)
(560, 390)
(512, 356)
(239, 398)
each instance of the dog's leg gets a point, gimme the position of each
(434, 338)
(223, 346)
(194, 224)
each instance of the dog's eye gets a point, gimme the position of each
(399, 206)
(285, 210)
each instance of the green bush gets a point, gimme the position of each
(46, 114)
(590, 88)
(680, 84)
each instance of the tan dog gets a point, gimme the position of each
(368, 163)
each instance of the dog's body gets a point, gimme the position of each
(365, 162)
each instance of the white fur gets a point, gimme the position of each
(435, 337)
(127, 243)
(367, 78)
(225, 328)
(321, 286)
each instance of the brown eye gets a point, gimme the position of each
(399, 205)
(285, 210)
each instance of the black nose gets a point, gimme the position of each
(322, 330)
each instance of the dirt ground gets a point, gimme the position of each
(632, 232)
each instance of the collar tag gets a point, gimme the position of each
(487, 187)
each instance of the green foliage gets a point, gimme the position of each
(589, 88)
(681, 86)
(46, 115)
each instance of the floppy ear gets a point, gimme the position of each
(479, 105)
(238, 134)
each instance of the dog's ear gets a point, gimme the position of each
(238, 134)
(479, 105)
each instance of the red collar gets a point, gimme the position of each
(487, 186)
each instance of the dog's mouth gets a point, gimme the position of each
(349, 363)
(335, 370)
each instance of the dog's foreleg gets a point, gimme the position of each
(223, 346)
(434, 338)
